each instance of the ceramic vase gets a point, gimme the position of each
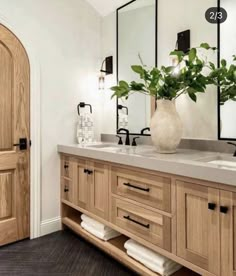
(166, 127)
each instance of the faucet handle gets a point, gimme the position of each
(120, 140)
(233, 144)
(230, 143)
(134, 144)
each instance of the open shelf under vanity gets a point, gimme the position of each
(114, 247)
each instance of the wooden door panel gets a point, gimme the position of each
(198, 229)
(14, 124)
(6, 80)
(196, 225)
(81, 186)
(228, 234)
(98, 183)
(6, 195)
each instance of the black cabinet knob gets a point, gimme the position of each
(66, 190)
(66, 166)
(90, 172)
(211, 206)
(224, 209)
(85, 171)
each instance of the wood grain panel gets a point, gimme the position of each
(198, 229)
(15, 101)
(6, 190)
(153, 190)
(144, 223)
(98, 182)
(196, 224)
(81, 184)
(6, 80)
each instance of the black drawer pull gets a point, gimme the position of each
(135, 187)
(211, 206)
(66, 190)
(224, 209)
(135, 221)
(89, 172)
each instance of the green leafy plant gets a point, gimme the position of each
(225, 78)
(185, 77)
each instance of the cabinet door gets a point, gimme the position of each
(198, 227)
(98, 178)
(228, 233)
(81, 184)
(67, 191)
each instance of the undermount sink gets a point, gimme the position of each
(223, 162)
(106, 146)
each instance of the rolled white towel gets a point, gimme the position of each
(151, 265)
(147, 254)
(101, 235)
(97, 225)
(169, 265)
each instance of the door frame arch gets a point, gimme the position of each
(35, 128)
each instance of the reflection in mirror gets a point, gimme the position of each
(174, 16)
(136, 36)
(227, 50)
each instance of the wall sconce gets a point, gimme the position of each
(183, 41)
(182, 44)
(108, 62)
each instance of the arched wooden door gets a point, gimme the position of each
(14, 129)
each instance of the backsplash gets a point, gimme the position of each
(203, 145)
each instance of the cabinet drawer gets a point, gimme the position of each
(66, 166)
(152, 190)
(144, 223)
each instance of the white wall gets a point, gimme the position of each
(65, 36)
(200, 120)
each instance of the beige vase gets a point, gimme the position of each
(166, 127)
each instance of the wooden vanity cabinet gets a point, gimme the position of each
(190, 221)
(87, 186)
(206, 227)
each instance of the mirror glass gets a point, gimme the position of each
(227, 125)
(136, 37)
(174, 16)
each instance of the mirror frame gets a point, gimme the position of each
(218, 103)
(153, 103)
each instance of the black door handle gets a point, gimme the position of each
(211, 206)
(22, 144)
(224, 209)
(137, 222)
(136, 187)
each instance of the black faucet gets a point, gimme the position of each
(233, 144)
(127, 140)
(145, 129)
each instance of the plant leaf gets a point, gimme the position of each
(192, 54)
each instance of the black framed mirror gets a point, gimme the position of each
(227, 45)
(136, 37)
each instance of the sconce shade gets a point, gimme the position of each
(108, 65)
(183, 41)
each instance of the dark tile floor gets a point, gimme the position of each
(61, 253)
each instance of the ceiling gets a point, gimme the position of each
(104, 7)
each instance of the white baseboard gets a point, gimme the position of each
(50, 225)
